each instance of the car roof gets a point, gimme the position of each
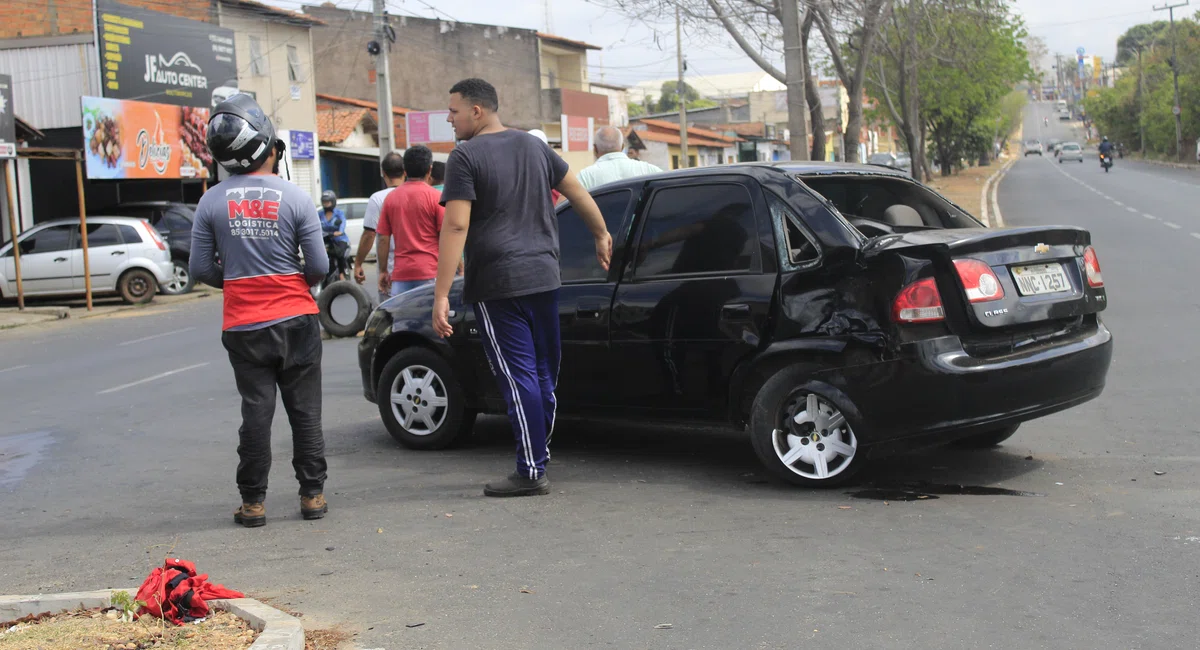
(758, 169)
(98, 218)
(148, 204)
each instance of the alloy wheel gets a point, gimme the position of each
(419, 400)
(179, 279)
(814, 440)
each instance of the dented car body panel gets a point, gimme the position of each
(806, 286)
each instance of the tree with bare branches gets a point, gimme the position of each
(849, 28)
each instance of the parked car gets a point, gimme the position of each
(1033, 146)
(173, 221)
(834, 312)
(125, 256)
(1070, 151)
(899, 160)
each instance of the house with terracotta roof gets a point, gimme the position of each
(658, 142)
(348, 139)
(539, 77)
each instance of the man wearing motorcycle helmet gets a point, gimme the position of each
(333, 225)
(259, 223)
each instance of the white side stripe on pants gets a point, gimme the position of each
(526, 441)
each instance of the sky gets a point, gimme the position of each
(635, 52)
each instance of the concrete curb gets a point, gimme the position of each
(992, 217)
(160, 301)
(1167, 163)
(277, 630)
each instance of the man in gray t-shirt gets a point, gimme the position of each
(498, 207)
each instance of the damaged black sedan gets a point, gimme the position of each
(834, 312)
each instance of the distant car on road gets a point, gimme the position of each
(898, 160)
(831, 312)
(1033, 146)
(125, 256)
(1070, 151)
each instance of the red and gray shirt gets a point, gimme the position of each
(259, 224)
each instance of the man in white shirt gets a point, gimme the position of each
(393, 175)
(611, 162)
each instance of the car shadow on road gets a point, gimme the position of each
(701, 458)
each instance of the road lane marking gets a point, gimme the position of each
(1119, 204)
(156, 336)
(1196, 235)
(14, 368)
(1172, 225)
(1131, 209)
(1149, 216)
(150, 379)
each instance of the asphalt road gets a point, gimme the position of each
(101, 476)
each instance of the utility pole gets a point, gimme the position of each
(793, 65)
(383, 81)
(1141, 103)
(1175, 74)
(681, 65)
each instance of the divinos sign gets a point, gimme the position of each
(128, 139)
(155, 57)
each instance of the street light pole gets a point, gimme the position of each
(1176, 109)
(679, 94)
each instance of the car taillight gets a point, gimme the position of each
(1091, 265)
(154, 235)
(980, 281)
(919, 302)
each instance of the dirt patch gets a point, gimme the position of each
(97, 629)
(965, 186)
(332, 639)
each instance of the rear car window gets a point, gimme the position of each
(577, 247)
(867, 200)
(130, 235)
(102, 234)
(698, 229)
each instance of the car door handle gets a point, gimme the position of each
(735, 312)
(60, 259)
(117, 253)
(589, 312)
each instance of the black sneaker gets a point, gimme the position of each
(515, 485)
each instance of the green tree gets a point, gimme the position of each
(636, 109)
(668, 98)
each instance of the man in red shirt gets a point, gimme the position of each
(412, 217)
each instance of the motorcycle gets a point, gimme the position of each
(340, 262)
(1106, 161)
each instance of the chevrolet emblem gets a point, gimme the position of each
(1041, 248)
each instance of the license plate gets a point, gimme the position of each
(1040, 278)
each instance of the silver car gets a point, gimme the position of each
(1033, 146)
(1070, 151)
(126, 256)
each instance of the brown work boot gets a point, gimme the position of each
(251, 515)
(313, 507)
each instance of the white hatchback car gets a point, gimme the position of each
(1070, 151)
(126, 256)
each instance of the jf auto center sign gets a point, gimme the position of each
(155, 57)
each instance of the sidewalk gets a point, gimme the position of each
(46, 310)
(965, 187)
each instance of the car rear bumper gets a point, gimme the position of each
(164, 271)
(366, 355)
(939, 392)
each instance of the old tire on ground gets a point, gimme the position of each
(137, 286)
(181, 281)
(421, 402)
(347, 316)
(987, 438)
(801, 436)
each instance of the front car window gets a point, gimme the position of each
(50, 240)
(577, 248)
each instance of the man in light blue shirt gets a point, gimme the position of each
(611, 162)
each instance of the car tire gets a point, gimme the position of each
(137, 286)
(343, 327)
(451, 423)
(987, 439)
(795, 452)
(181, 281)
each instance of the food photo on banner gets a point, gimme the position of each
(124, 139)
(155, 57)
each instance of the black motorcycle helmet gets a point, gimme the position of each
(240, 135)
(328, 197)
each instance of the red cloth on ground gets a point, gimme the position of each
(175, 592)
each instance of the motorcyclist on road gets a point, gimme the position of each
(1105, 145)
(333, 224)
